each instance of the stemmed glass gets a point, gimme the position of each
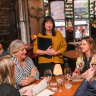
(57, 71)
(48, 75)
(59, 79)
(68, 73)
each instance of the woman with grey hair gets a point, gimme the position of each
(25, 70)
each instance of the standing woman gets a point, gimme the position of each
(84, 62)
(25, 70)
(56, 50)
(7, 78)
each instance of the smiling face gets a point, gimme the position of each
(48, 25)
(85, 47)
(21, 54)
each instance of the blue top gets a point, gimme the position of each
(4, 53)
(86, 89)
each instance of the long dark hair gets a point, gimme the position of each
(48, 18)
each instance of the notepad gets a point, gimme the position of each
(43, 44)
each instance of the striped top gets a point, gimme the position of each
(21, 72)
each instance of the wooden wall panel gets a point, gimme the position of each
(8, 22)
(35, 22)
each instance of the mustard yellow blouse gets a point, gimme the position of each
(58, 43)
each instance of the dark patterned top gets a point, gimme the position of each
(8, 90)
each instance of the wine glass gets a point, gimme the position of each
(59, 79)
(48, 75)
(67, 73)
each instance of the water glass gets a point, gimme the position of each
(53, 86)
(68, 84)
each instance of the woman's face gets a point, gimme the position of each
(84, 46)
(48, 25)
(21, 54)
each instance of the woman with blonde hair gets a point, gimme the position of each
(7, 78)
(25, 70)
(88, 49)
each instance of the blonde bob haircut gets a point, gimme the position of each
(15, 46)
(7, 70)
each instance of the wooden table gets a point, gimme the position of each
(74, 43)
(68, 92)
(65, 92)
(72, 54)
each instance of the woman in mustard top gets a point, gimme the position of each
(57, 49)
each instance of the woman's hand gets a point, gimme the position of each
(52, 52)
(28, 80)
(76, 71)
(27, 92)
(25, 81)
(89, 74)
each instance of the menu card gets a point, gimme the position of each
(36, 90)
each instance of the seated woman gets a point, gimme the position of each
(25, 70)
(7, 78)
(84, 62)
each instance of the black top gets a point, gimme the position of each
(7, 90)
(86, 65)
